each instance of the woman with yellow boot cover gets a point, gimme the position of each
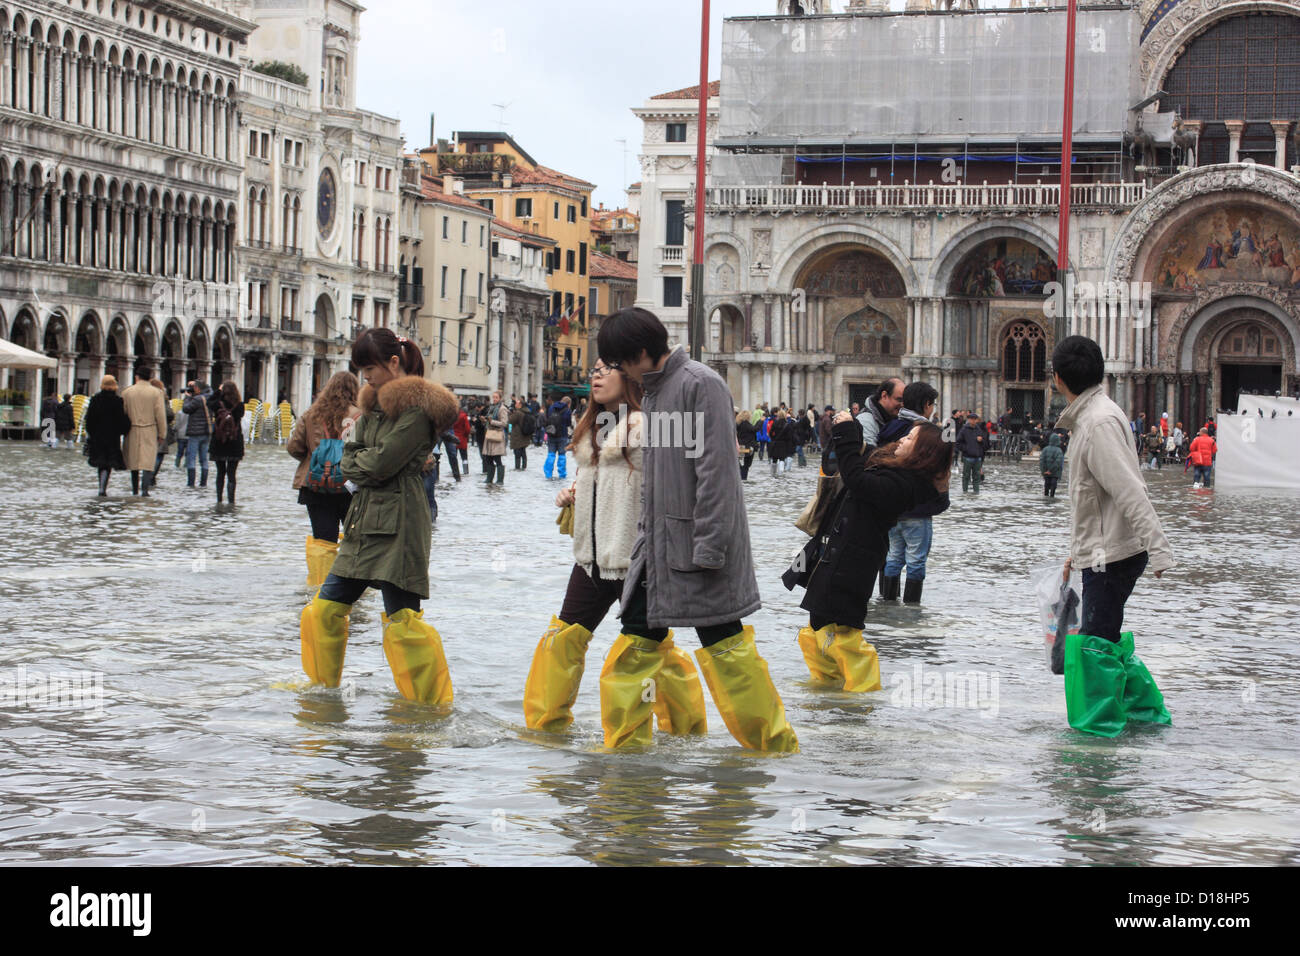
(839, 565)
(387, 531)
(331, 416)
(606, 498)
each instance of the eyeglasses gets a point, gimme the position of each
(600, 371)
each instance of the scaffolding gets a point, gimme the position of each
(970, 86)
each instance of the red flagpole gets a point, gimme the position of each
(1067, 153)
(701, 130)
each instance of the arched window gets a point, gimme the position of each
(1024, 353)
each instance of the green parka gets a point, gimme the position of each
(386, 534)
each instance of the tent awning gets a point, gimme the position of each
(15, 356)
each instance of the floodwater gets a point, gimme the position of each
(207, 747)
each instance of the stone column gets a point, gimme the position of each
(38, 82)
(1280, 129)
(56, 224)
(1194, 126)
(22, 52)
(767, 324)
(1234, 138)
(6, 68)
(209, 258)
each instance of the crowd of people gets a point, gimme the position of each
(662, 531)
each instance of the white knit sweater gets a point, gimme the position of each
(616, 490)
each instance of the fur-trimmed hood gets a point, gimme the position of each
(411, 391)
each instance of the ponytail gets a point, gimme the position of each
(377, 346)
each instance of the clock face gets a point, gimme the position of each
(326, 202)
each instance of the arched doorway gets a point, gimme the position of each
(56, 347)
(90, 355)
(24, 334)
(173, 357)
(197, 353)
(146, 346)
(325, 329)
(223, 351)
(1248, 357)
(115, 351)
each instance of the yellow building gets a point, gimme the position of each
(613, 288)
(499, 174)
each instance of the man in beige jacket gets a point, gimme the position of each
(1114, 536)
(146, 408)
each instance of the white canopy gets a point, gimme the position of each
(15, 356)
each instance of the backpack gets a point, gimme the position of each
(529, 425)
(227, 429)
(325, 469)
(554, 423)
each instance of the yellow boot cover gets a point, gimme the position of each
(743, 692)
(320, 558)
(414, 652)
(553, 680)
(857, 660)
(679, 701)
(814, 645)
(324, 630)
(628, 690)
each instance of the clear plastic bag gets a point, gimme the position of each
(1060, 608)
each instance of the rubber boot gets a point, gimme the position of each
(135, 482)
(1142, 698)
(743, 692)
(889, 587)
(911, 591)
(104, 475)
(190, 473)
(414, 652)
(856, 660)
(501, 472)
(320, 558)
(679, 697)
(629, 684)
(147, 483)
(553, 679)
(814, 645)
(1094, 685)
(324, 631)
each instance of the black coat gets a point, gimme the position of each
(106, 423)
(780, 438)
(746, 435)
(230, 450)
(838, 566)
(972, 441)
(65, 419)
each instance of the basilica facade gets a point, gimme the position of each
(913, 232)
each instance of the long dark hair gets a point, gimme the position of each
(377, 346)
(230, 394)
(931, 456)
(632, 396)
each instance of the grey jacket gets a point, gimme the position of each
(1111, 515)
(693, 538)
(196, 407)
(872, 418)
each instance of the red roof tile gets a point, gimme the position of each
(690, 93)
(601, 266)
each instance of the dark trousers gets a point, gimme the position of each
(1049, 486)
(348, 590)
(326, 518)
(744, 465)
(1105, 593)
(226, 473)
(452, 452)
(521, 462)
(635, 623)
(589, 597)
(430, 486)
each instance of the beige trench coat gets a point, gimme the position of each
(146, 407)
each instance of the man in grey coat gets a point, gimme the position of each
(691, 564)
(881, 409)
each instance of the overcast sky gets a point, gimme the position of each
(569, 70)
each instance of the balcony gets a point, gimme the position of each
(360, 263)
(468, 305)
(945, 198)
(410, 294)
(259, 321)
(672, 255)
(278, 91)
(378, 125)
(291, 250)
(564, 375)
(291, 325)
